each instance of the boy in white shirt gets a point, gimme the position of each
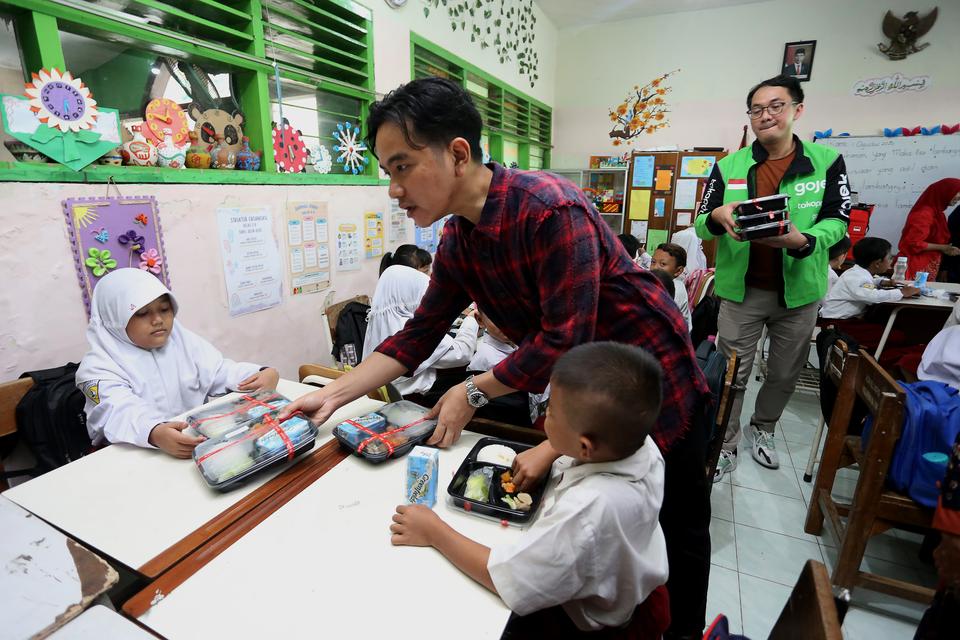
(596, 557)
(858, 288)
(836, 255)
(672, 258)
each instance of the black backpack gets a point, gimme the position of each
(51, 420)
(714, 368)
(704, 319)
(351, 328)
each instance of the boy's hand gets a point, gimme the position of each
(266, 380)
(909, 292)
(453, 412)
(414, 525)
(724, 217)
(533, 464)
(169, 437)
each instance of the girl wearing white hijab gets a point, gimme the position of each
(396, 298)
(687, 238)
(143, 367)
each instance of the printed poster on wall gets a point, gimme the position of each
(664, 180)
(308, 248)
(251, 261)
(397, 229)
(639, 204)
(348, 247)
(642, 172)
(428, 238)
(696, 166)
(686, 197)
(373, 234)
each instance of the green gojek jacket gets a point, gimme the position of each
(819, 205)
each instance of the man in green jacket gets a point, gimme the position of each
(774, 282)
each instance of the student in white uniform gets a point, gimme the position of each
(837, 255)
(941, 358)
(396, 297)
(693, 245)
(143, 367)
(672, 258)
(595, 558)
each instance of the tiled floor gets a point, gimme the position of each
(759, 546)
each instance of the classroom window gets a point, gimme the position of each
(11, 74)
(516, 128)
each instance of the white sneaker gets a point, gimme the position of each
(725, 464)
(764, 448)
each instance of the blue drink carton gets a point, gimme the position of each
(423, 464)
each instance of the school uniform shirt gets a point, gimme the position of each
(130, 390)
(680, 297)
(597, 548)
(395, 300)
(832, 278)
(490, 352)
(941, 358)
(856, 290)
(550, 273)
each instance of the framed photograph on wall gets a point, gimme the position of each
(798, 59)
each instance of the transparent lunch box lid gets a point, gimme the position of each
(389, 432)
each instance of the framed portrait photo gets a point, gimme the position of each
(798, 59)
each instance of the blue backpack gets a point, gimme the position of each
(931, 423)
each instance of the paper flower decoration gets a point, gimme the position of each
(61, 101)
(101, 235)
(141, 219)
(642, 111)
(99, 261)
(135, 241)
(151, 261)
(350, 148)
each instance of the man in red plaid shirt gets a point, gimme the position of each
(539, 261)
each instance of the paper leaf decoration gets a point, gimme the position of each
(350, 148)
(644, 110)
(288, 148)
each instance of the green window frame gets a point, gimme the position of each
(516, 127)
(324, 44)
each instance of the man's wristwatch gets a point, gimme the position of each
(475, 397)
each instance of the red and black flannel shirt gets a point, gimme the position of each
(549, 272)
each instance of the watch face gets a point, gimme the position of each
(63, 100)
(162, 114)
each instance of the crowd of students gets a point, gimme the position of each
(551, 300)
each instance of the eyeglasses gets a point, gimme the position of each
(774, 109)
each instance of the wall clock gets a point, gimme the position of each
(61, 101)
(161, 114)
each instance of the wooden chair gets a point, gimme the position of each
(811, 612)
(332, 313)
(10, 395)
(874, 508)
(724, 411)
(386, 393)
(834, 370)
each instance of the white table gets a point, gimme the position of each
(919, 302)
(98, 623)
(46, 578)
(133, 504)
(322, 566)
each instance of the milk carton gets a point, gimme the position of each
(423, 464)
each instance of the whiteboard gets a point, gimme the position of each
(892, 173)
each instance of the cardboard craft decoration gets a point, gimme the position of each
(216, 122)
(59, 118)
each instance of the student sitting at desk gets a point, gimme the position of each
(836, 256)
(672, 258)
(859, 288)
(143, 367)
(596, 557)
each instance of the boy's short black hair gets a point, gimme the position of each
(869, 249)
(630, 243)
(424, 257)
(840, 249)
(405, 254)
(677, 252)
(666, 280)
(430, 113)
(791, 84)
(613, 393)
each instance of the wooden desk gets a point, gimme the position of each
(920, 302)
(326, 555)
(147, 510)
(47, 578)
(98, 623)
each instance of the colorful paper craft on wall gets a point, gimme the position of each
(215, 122)
(59, 118)
(111, 233)
(162, 114)
(644, 110)
(288, 149)
(351, 149)
(664, 181)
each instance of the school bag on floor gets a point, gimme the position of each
(351, 329)
(51, 420)
(931, 422)
(704, 318)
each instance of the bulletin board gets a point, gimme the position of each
(694, 168)
(114, 232)
(649, 202)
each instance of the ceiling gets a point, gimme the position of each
(581, 13)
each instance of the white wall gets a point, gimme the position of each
(723, 52)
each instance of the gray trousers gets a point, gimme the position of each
(739, 327)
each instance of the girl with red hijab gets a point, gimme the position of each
(926, 237)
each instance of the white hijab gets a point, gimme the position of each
(693, 245)
(941, 358)
(395, 300)
(176, 377)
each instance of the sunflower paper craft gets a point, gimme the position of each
(642, 111)
(151, 261)
(99, 261)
